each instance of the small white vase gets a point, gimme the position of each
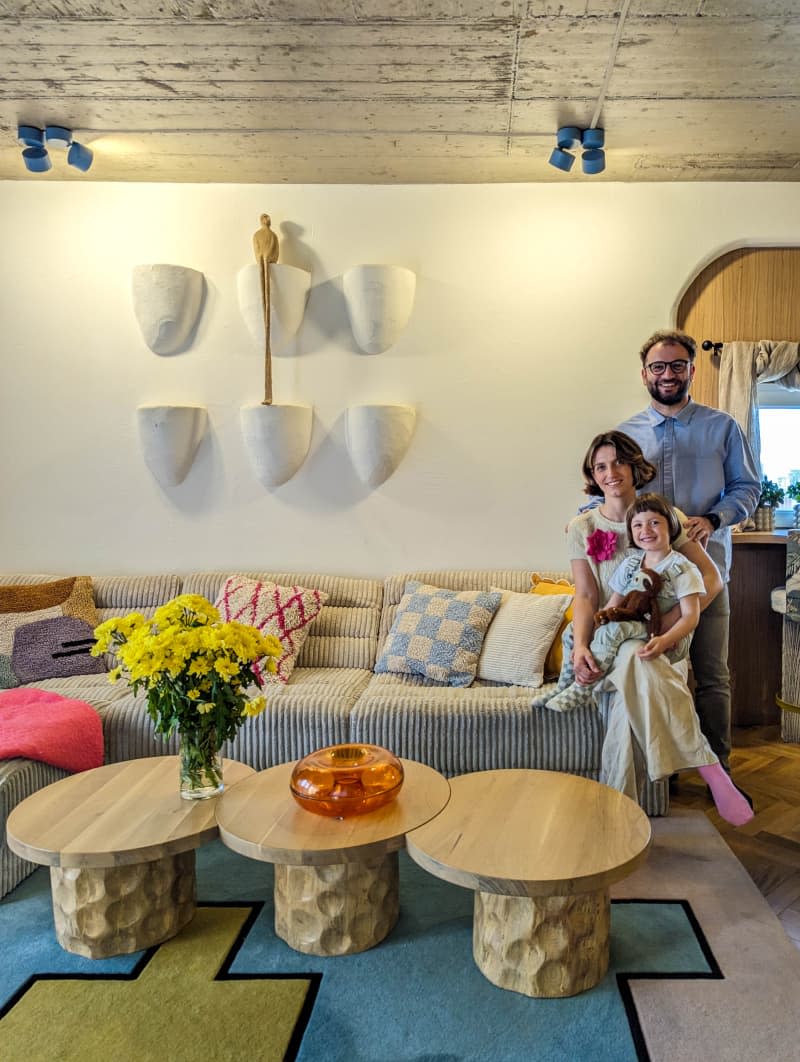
(378, 437)
(379, 302)
(166, 302)
(277, 439)
(288, 289)
(169, 437)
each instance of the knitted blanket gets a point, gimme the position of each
(40, 725)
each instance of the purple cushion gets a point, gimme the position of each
(54, 648)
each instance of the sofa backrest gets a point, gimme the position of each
(344, 634)
(463, 579)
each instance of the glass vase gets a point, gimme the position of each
(200, 765)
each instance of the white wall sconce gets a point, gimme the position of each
(289, 287)
(277, 439)
(378, 437)
(36, 142)
(169, 437)
(166, 302)
(379, 300)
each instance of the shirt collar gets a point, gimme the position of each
(684, 417)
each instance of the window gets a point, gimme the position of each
(779, 425)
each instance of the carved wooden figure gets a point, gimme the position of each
(266, 249)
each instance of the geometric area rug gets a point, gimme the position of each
(227, 988)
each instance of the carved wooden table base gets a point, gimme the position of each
(551, 946)
(104, 911)
(339, 909)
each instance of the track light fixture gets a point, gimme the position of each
(36, 142)
(569, 137)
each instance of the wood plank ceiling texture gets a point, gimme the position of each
(400, 91)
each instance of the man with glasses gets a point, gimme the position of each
(705, 468)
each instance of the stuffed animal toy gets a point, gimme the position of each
(641, 603)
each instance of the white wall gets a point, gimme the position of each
(531, 304)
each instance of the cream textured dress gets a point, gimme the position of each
(652, 722)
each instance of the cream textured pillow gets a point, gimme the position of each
(285, 611)
(519, 637)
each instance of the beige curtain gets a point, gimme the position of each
(742, 366)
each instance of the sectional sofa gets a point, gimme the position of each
(333, 695)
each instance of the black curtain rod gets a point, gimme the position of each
(715, 348)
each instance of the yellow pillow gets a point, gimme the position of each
(540, 585)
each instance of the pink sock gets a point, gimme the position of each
(731, 805)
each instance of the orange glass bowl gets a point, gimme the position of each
(344, 780)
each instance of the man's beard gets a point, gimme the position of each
(671, 398)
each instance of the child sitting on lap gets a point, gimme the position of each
(647, 584)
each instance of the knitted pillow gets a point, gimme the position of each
(540, 585)
(285, 611)
(47, 630)
(520, 636)
(438, 633)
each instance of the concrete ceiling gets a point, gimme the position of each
(400, 91)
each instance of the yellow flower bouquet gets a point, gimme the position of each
(198, 674)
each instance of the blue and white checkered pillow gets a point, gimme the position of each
(438, 633)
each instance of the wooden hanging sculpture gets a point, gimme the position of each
(266, 249)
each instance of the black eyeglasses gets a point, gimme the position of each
(658, 368)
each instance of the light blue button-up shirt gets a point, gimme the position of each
(705, 465)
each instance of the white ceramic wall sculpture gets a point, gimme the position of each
(377, 439)
(379, 301)
(289, 287)
(169, 437)
(277, 439)
(167, 301)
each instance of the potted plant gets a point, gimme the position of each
(771, 497)
(793, 492)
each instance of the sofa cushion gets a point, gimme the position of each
(51, 648)
(344, 634)
(438, 633)
(283, 611)
(542, 585)
(519, 638)
(49, 727)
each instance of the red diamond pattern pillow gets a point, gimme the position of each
(285, 611)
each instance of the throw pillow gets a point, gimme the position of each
(540, 585)
(520, 636)
(37, 651)
(285, 611)
(438, 633)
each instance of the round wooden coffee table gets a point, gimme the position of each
(336, 880)
(120, 842)
(540, 849)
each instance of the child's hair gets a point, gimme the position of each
(653, 503)
(628, 450)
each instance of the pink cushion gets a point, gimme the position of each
(40, 725)
(285, 611)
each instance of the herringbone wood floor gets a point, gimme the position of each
(768, 846)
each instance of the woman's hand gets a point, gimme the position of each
(586, 670)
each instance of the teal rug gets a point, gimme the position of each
(418, 997)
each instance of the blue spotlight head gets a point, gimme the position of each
(30, 136)
(79, 156)
(58, 136)
(593, 161)
(36, 159)
(593, 138)
(568, 136)
(562, 160)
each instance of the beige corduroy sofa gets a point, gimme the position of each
(334, 696)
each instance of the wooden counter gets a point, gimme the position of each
(754, 655)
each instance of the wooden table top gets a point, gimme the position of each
(120, 814)
(532, 833)
(262, 820)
